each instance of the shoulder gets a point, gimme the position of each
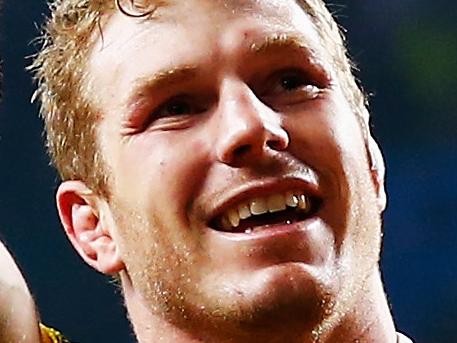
(403, 339)
(18, 317)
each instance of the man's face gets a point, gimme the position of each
(216, 110)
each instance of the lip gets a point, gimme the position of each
(261, 188)
(272, 231)
(308, 242)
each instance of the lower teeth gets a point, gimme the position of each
(252, 230)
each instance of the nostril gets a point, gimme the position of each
(242, 150)
(275, 145)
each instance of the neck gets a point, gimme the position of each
(369, 321)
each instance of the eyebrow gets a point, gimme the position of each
(161, 79)
(169, 77)
(281, 41)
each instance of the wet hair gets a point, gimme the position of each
(60, 70)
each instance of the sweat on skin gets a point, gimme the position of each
(209, 107)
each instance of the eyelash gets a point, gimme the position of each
(301, 86)
(176, 104)
(290, 86)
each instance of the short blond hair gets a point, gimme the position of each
(60, 69)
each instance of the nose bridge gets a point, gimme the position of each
(242, 112)
(247, 127)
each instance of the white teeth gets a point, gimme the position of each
(303, 202)
(259, 206)
(234, 217)
(244, 211)
(291, 199)
(276, 203)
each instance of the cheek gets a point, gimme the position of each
(316, 141)
(327, 136)
(329, 140)
(161, 170)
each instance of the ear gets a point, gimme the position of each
(378, 172)
(86, 219)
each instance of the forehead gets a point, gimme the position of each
(203, 16)
(183, 10)
(190, 32)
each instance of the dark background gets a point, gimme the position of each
(407, 54)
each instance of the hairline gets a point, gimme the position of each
(320, 25)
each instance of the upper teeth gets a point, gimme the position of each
(257, 206)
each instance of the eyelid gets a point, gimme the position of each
(274, 79)
(308, 76)
(163, 105)
(198, 104)
(306, 87)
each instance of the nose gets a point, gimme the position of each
(248, 129)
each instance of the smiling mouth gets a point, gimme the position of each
(260, 213)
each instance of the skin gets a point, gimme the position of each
(18, 318)
(230, 127)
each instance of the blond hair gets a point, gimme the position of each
(60, 70)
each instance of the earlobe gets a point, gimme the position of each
(378, 171)
(82, 215)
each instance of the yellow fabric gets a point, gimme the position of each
(49, 335)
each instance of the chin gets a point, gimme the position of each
(275, 298)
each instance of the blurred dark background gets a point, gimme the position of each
(407, 54)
